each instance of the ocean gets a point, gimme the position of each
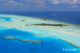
(69, 17)
(49, 44)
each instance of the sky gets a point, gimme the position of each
(39, 5)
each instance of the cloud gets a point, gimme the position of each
(38, 4)
(75, 1)
(9, 3)
(54, 1)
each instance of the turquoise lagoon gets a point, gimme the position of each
(23, 34)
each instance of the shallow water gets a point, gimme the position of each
(16, 40)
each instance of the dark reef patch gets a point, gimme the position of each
(44, 24)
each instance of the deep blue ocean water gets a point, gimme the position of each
(70, 17)
(49, 45)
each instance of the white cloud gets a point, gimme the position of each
(75, 1)
(54, 1)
